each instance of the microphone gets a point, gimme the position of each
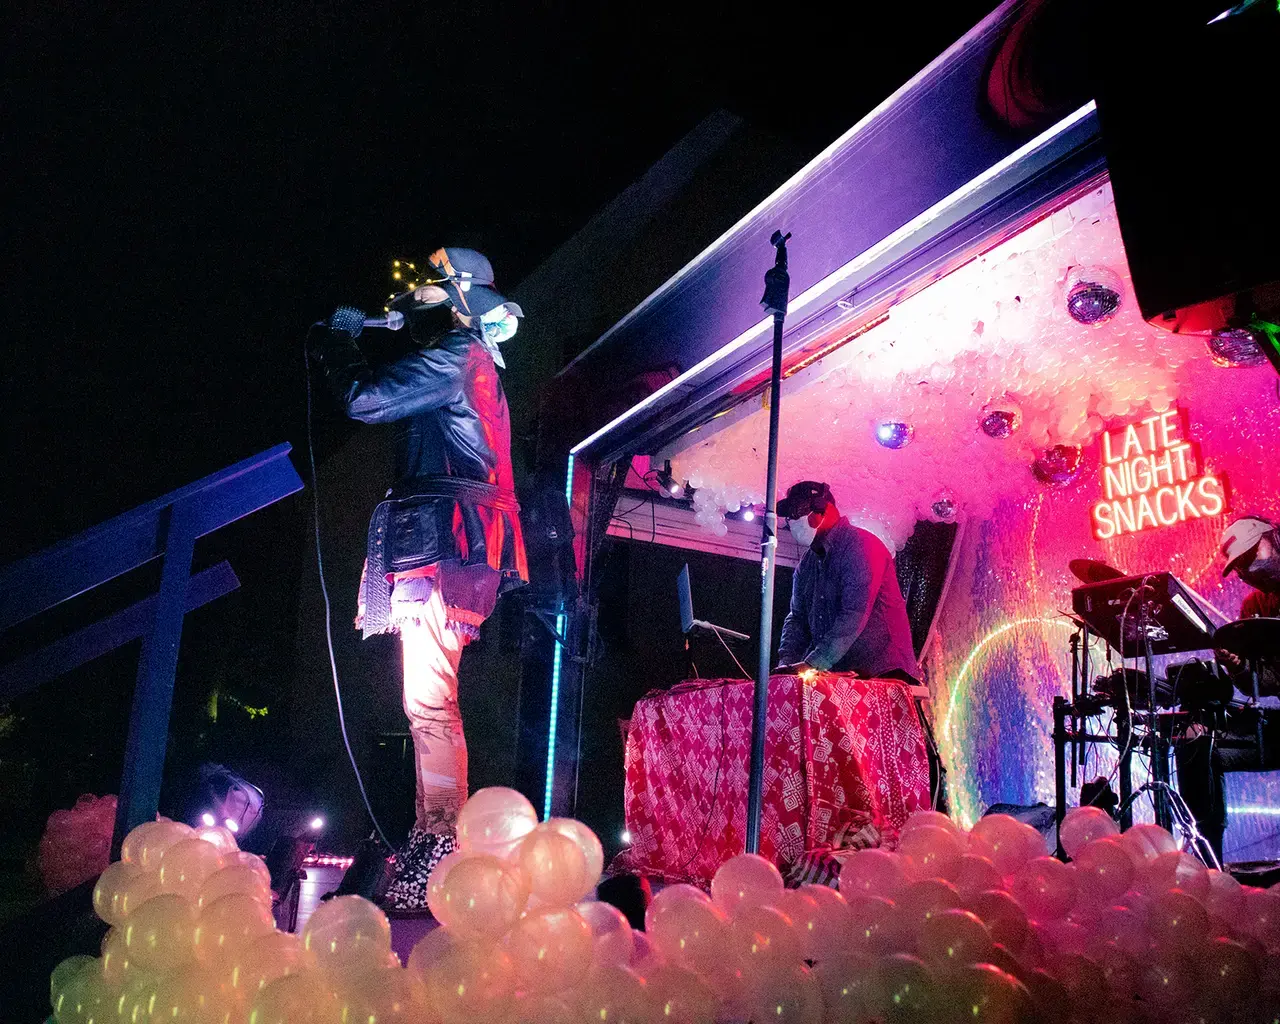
(353, 321)
(393, 321)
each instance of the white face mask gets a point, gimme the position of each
(802, 531)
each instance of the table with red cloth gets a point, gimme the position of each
(837, 749)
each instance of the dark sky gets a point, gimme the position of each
(188, 185)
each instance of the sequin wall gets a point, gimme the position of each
(895, 422)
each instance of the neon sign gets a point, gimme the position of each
(1151, 477)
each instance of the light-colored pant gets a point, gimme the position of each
(432, 652)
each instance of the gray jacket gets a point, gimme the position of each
(847, 611)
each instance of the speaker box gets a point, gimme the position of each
(1189, 115)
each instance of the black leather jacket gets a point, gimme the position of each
(453, 498)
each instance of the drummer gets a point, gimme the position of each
(1251, 546)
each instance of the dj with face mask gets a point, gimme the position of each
(446, 542)
(1209, 749)
(847, 613)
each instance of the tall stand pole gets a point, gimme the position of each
(777, 284)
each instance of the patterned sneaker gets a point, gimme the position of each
(414, 864)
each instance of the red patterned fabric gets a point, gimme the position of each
(836, 750)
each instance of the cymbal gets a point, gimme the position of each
(1250, 638)
(1086, 570)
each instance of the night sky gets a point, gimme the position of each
(188, 186)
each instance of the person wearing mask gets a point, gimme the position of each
(847, 613)
(1215, 745)
(446, 542)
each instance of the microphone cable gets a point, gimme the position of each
(328, 609)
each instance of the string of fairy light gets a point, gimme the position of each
(406, 278)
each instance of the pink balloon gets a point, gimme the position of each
(382, 996)
(1225, 898)
(932, 852)
(679, 996)
(1229, 973)
(1046, 888)
(954, 939)
(764, 940)
(230, 923)
(746, 877)
(687, 929)
(588, 842)
(348, 934)
(1146, 842)
(1175, 870)
(826, 930)
(146, 844)
(1121, 971)
(1007, 842)
(301, 998)
(109, 892)
(611, 935)
(1004, 917)
(185, 865)
(1126, 928)
(1261, 917)
(257, 964)
(1083, 825)
(482, 896)
(615, 994)
(906, 985)
(1104, 870)
(874, 927)
(977, 874)
(921, 900)
(160, 935)
(549, 949)
(220, 836)
(1178, 922)
(554, 867)
(470, 981)
(1167, 982)
(872, 873)
(983, 992)
(791, 996)
(849, 990)
(1082, 977)
(238, 878)
(929, 819)
(193, 993)
(494, 821)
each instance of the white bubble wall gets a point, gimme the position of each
(995, 334)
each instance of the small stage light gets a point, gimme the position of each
(625, 837)
(748, 514)
(208, 819)
(317, 823)
(232, 825)
(669, 483)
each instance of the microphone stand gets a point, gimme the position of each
(777, 285)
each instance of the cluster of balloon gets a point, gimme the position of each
(952, 926)
(76, 844)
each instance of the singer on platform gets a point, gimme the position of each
(446, 542)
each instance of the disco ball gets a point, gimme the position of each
(894, 434)
(1059, 465)
(1238, 348)
(1000, 421)
(944, 508)
(1093, 295)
